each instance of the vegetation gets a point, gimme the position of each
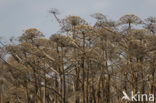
(81, 63)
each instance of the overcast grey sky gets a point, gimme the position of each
(19, 15)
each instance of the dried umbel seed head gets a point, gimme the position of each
(99, 16)
(54, 11)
